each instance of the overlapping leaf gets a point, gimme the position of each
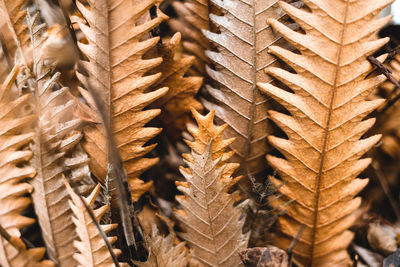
(17, 42)
(54, 123)
(92, 250)
(116, 71)
(242, 55)
(176, 103)
(213, 225)
(327, 107)
(13, 17)
(193, 17)
(14, 172)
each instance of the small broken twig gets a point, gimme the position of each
(13, 240)
(382, 69)
(293, 244)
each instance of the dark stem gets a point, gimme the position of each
(385, 187)
(293, 244)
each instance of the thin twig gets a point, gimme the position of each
(119, 173)
(382, 69)
(5, 234)
(385, 187)
(103, 235)
(98, 226)
(293, 243)
(14, 241)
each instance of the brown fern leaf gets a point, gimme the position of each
(22, 257)
(242, 55)
(18, 43)
(176, 103)
(163, 251)
(193, 17)
(13, 175)
(213, 224)
(92, 250)
(54, 109)
(13, 16)
(116, 72)
(327, 107)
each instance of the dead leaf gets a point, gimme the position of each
(327, 107)
(242, 55)
(54, 121)
(14, 172)
(91, 248)
(176, 103)
(116, 71)
(213, 225)
(193, 17)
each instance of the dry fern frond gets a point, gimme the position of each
(327, 107)
(54, 108)
(116, 72)
(213, 224)
(163, 252)
(193, 17)
(11, 257)
(13, 17)
(241, 58)
(92, 250)
(176, 103)
(18, 43)
(13, 176)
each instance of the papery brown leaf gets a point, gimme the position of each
(116, 72)
(13, 175)
(92, 250)
(176, 103)
(13, 17)
(327, 107)
(193, 17)
(163, 251)
(54, 109)
(213, 225)
(18, 40)
(242, 55)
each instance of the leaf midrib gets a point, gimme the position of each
(253, 89)
(325, 138)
